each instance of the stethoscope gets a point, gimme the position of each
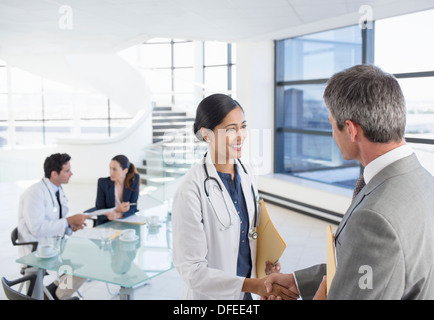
(55, 209)
(253, 233)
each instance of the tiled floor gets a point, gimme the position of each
(304, 236)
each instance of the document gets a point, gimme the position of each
(331, 258)
(97, 233)
(134, 219)
(101, 211)
(270, 244)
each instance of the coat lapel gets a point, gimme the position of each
(356, 201)
(213, 192)
(111, 193)
(398, 167)
(126, 194)
(246, 186)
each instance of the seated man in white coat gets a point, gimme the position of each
(43, 208)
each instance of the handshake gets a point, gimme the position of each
(281, 286)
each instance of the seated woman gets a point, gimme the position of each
(120, 190)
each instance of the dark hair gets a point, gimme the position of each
(126, 164)
(211, 112)
(55, 162)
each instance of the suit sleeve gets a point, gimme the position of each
(309, 279)
(100, 195)
(370, 263)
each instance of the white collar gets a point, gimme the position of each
(383, 161)
(52, 185)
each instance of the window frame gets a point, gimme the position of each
(43, 122)
(368, 47)
(367, 36)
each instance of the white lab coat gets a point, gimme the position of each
(204, 253)
(38, 214)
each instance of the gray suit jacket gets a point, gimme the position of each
(385, 242)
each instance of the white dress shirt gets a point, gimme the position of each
(386, 159)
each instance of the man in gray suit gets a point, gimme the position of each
(384, 243)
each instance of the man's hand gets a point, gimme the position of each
(76, 222)
(281, 280)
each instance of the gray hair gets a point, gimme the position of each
(370, 97)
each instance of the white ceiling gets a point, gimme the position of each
(32, 26)
(31, 39)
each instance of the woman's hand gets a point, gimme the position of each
(114, 215)
(123, 207)
(269, 268)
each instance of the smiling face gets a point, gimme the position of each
(227, 138)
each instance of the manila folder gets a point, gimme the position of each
(331, 261)
(270, 245)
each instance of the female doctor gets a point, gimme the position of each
(213, 213)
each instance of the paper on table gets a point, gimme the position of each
(270, 244)
(101, 211)
(96, 233)
(135, 219)
(331, 260)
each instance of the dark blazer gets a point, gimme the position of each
(105, 197)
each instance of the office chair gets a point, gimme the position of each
(11, 294)
(34, 244)
(14, 239)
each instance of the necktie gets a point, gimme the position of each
(359, 185)
(60, 206)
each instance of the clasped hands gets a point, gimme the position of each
(281, 286)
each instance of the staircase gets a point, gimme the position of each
(175, 148)
(163, 118)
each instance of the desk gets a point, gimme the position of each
(122, 263)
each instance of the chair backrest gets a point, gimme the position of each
(14, 236)
(12, 294)
(14, 239)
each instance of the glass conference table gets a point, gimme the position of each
(127, 264)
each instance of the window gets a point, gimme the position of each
(4, 108)
(304, 145)
(219, 67)
(43, 110)
(182, 72)
(179, 72)
(401, 48)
